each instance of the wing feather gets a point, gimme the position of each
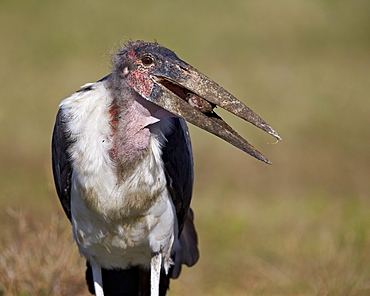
(62, 168)
(178, 160)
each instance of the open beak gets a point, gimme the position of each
(193, 96)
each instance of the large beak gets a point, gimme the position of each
(193, 96)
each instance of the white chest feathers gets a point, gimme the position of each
(116, 222)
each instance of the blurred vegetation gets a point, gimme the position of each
(298, 227)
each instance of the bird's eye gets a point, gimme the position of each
(147, 60)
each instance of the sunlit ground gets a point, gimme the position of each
(298, 227)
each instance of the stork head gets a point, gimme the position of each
(159, 76)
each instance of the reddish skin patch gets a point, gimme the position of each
(132, 54)
(139, 78)
(114, 115)
(141, 82)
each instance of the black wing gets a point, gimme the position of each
(178, 161)
(62, 168)
(177, 156)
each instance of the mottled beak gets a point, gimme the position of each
(193, 96)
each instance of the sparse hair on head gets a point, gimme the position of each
(119, 48)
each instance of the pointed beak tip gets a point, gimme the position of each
(265, 160)
(274, 134)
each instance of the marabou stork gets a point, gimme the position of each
(123, 167)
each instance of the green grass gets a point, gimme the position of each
(298, 227)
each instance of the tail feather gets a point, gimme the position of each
(134, 281)
(186, 252)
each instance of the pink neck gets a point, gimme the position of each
(130, 128)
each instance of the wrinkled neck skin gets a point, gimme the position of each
(131, 117)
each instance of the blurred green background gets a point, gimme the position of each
(298, 227)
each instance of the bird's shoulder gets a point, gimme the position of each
(62, 138)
